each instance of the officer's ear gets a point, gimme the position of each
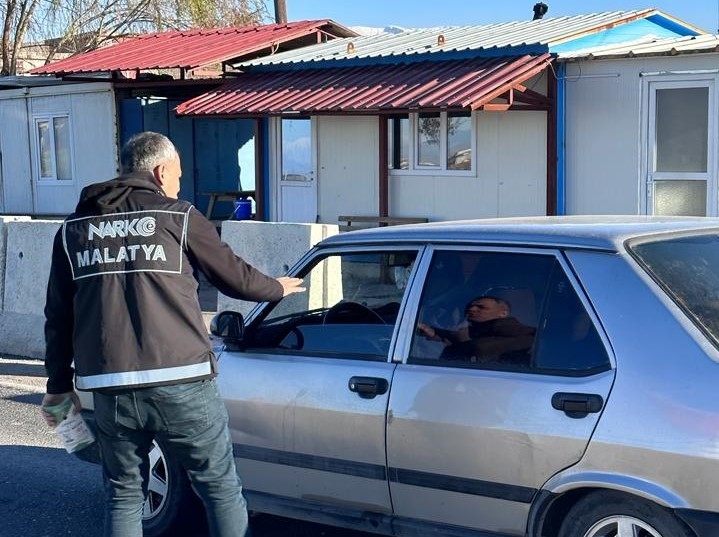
(159, 173)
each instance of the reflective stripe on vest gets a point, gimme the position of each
(138, 378)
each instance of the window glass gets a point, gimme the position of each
(459, 141)
(54, 148)
(682, 125)
(349, 310)
(428, 139)
(45, 148)
(680, 197)
(567, 340)
(686, 267)
(296, 149)
(510, 311)
(398, 142)
(480, 309)
(62, 148)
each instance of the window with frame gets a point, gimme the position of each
(349, 310)
(53, 141)
(441, 141)
(508, 311)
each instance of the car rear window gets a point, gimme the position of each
(687, 267)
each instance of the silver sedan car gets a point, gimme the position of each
(534, 377)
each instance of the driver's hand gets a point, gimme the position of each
(291, 285)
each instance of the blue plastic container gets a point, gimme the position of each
(243, 209)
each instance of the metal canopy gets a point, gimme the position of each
(440, 85)
(191, 49)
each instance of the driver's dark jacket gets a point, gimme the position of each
(122, 299)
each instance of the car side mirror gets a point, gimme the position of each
(228, 325)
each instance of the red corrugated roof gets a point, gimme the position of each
(445, 85)
(190, 49)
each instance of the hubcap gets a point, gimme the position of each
(158, 483)
(622, 526)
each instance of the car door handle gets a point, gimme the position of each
(368, 387)
(577, 405)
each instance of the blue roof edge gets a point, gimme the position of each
(672, 25)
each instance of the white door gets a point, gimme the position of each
(347, 166)
(680, 164)
(297, 186)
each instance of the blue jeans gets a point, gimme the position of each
(191, 421)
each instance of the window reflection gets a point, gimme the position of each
(398, 143)
(62, 148)
(428, 133)
(44, 144)
(682, 130)
(459, 142)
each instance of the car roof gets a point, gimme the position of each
(586, 232)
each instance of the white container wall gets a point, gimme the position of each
(510, 177)
(79, 119)
(608, 140)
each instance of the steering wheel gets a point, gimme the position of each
(351, 313)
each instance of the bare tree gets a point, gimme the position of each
(17, 16)
(82, 25)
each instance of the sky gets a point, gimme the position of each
(429, 13)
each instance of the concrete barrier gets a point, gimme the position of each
(25, 254)
(4, 221)
(26, 267)
(272, 247)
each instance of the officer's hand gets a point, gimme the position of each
(290, 285)
(52, 399)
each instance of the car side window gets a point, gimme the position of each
(509, 311)
(568, 342)
(349, 310)
(480, 309)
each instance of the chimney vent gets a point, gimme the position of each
(540, 8)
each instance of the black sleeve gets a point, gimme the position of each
(231, 275)
(59, 321)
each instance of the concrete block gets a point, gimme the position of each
(23, 334)
(4, 221)
(272, 247)
(27, 265)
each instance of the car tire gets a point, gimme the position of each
(602, 513)
(171, 504)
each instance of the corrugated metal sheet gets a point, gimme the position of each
(443, 85)
(189, 49)
(650, 46)
(539, 35)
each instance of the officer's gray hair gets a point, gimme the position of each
(145, 151)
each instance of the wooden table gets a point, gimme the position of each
(225, 196)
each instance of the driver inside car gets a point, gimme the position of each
(491, 334)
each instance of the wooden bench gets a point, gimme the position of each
(348, 223)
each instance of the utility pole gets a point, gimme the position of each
(280, 11)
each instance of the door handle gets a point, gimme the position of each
(577, 405)
(368, 387)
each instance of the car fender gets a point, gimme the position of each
(573, 479)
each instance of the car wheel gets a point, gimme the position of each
(611, 514)
(170, 501)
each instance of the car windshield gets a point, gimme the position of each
(686, 267)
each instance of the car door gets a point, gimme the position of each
(308, 395)
(472, 438)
